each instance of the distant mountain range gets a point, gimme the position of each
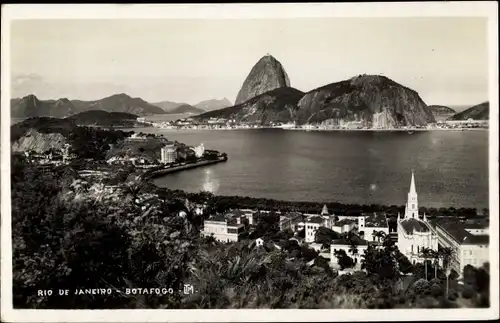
(31, 106)
(477, 112)
(201, 107)
(186, 109)
(441, 110)
(213, 104)
(372, 99)
(104, 119)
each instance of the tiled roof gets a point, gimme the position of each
(217, 218)
(359, 242)
(410, 225)
(315, 219)
(235, 213)
(457, 231)
(345, 222)
(476, 224)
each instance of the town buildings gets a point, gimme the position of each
(355, 251)
(223, 229)
(414, 234)
(369, 226)
(468, 242)
(290, 221)
(345, 225)
(312, 225)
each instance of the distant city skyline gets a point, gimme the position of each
(444, 59)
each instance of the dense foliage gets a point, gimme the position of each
(66, 238)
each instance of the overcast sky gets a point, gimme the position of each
(444, 59)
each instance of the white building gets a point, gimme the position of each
(249, 215)
(290, 221)
(222, 229)
(414, 234)
(259, 242)
(168, 154)
(369, 225)
(199, 150)
(469, 246)
(338, 245)
(345, 225)
(312, 225)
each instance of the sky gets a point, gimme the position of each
(444, 59)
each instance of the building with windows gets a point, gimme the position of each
(168, 154)
(414, 234)
(223, 229)
(312, 225)
(290, 221)
(345, 225)
(355, 251)
(469, 242)
(368, 226)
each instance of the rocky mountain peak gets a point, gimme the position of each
(266, 75)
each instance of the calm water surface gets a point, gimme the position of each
(451, 167)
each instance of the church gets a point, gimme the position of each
(414, 234)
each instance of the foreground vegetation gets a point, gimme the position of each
(63, 238)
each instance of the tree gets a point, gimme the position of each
(325, 235)
(353, 249)
(446, 255)
(434, 255)
(343, 259)
(426, 254)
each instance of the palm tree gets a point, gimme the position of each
(435, 257)
(426, 254)
(381, 235)
(446, 254)
(353, 249)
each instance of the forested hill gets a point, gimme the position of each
(104, 118)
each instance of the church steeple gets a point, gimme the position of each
(411, 210)
(412, 184)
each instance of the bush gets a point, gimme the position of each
(468, 292)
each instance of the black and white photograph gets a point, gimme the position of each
(249, 157)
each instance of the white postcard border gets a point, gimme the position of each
(245, 11)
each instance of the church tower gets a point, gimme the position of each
(411, 210)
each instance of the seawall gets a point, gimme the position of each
(164, 171)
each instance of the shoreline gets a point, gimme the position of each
(327, 130)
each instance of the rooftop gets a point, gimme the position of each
(411, 225)
(235, 213)
(315, 219)
(345, 222)
(457, 231)
(476, 224)
(359, 242)
(376, 220)
(217, 218)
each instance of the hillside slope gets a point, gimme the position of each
(30, 106)
(376, 101)
(477, 112)
(278, 105)
(266, 75)
(104, 118)
(213, 104)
